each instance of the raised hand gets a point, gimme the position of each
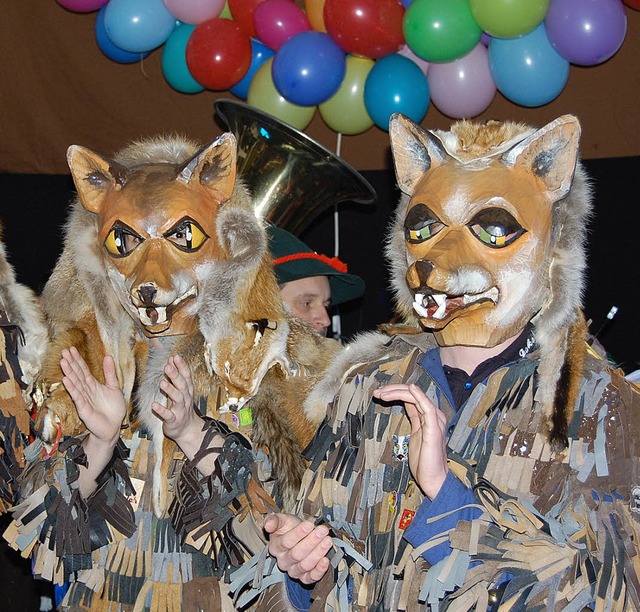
(300, 547)
(428, 442)
(180, 422)
(101, 407)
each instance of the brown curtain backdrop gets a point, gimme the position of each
(58, 89)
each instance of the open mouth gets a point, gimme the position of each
(439, 305)
(157, 319)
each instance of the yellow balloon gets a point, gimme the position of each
(265, 97)
(345, 111)
(315, 14)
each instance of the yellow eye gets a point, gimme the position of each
(187, 235)
(121, 241)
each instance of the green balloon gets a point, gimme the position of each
(509, 18)
(440, 30)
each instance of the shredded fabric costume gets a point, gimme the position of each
(112, 546)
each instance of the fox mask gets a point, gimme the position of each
(156, 224)
(478, 229)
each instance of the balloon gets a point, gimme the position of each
(315, 14)
(242, 13)
(82, 6)
(586, 32)
(259, 55)
(372, 28)
(463, 88)
(218, 53)
(418, 61)
(345, 112)
(308, 68)
(634, 4)
(407, 3)
(174, 61)
(264, 96)
(109, 49)
(194, 11)
(226, 12)
(276, 21)
(441, 30)
(138, 25)
(528, 70)
(396, 85)
(508, 18)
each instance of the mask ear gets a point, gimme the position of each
(414, 151)
(551, 153)
(94, 176)
(213, 167)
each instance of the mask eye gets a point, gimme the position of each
(495, 227)
(421, 224)
(187, 235)
(121, 240)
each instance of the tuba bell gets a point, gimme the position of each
(292, 178)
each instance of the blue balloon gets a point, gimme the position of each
(109, 49)
(308, 68)
(260, 53)
(396, 85)
(174, 61)
(138, 25)
(528, 70)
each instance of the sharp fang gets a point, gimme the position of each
(421, 310)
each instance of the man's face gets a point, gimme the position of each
(309, 298)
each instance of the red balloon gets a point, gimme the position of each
(242, 13)
(218, 53)
(371, 28)
(635, 4)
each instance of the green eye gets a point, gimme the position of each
(121, 241)
(496, 228)
(421, 224)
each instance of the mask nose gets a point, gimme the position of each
(147, 294)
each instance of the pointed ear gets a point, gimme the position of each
(213, 167)
(551, 153)
(94, 176)
(414, 151)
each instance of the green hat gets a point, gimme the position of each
(293, 260)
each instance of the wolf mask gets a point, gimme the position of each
(489, 236)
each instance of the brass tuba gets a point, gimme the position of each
(292, 178)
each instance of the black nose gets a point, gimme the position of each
(147, 294)
(424, 269)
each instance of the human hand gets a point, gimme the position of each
(428, 442)
(300, 547)
(180, 422)
(100, 407)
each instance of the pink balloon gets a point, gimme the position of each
(194, 11)
(463, 88)
(276, 21)
(82, 6)
(409, 54)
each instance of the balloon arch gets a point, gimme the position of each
(359, 61)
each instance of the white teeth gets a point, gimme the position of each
(421, 310)
(161, 312)
(442, 308)
(419, 298)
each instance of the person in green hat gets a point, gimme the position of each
(310, 282)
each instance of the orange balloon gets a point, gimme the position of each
(315, 14)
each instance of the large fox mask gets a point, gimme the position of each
(156, 224)
(478, 229)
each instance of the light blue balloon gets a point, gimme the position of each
(138, 25)
(528, 70)
(109, 49)
(395, 84)
(260, 53)
(174, 61)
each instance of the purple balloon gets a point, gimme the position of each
(586, 32)
(463, 88)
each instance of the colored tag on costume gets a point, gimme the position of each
(393, 502)
(406, 518)
(246, 416)
(138, 486)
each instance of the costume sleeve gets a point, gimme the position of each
(221, 514)
(437, 517)
(53, 522)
